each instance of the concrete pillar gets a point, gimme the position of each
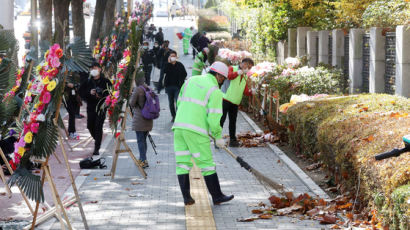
(338, 52)
(312, 47)
(7, 14)
(301, 40)
(324, 46)
(281, 51)
(292, 36)
(403, 61)
(377, 60)
(356, 60)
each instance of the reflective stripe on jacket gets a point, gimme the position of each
(236, 87)
(200, 106)
(199, 64)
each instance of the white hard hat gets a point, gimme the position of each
(220, 67)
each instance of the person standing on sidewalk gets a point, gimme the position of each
(194, 43)
(140, 125)
(175, 75)
(234, 89)
(198, 116)
(147, 59)
(164, 54)
(186, 39)
(159, 37)
(199, 63)
(203, 42)
(96, 91)
(72, 102)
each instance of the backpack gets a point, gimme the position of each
(151, 107)
(89, 163)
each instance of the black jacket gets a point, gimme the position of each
(174, 74)
(159, 37)
(203, 42)
(195, 40)
(147, 58)
(164, 55)
(101, 85)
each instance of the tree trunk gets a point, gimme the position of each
(46, 10)
(97, 22)
(108, 19)
(77, 11)
(61, 22)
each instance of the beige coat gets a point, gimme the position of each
(137, 101)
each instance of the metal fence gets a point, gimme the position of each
(366, 62)
(390, 74)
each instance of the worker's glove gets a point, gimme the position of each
(220, 143)
(240, 72)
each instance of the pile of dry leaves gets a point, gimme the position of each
(337, 211)
(250, 139)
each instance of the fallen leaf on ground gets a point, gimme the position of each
(288, 210)
(85, 174)
(257, 211)
(196, 178)
(249, 219)
(107, 174)
(328, 219)
(135, 183)
(313, 212)
(60, 177)
(314, 166)
(95, 178)
(127, 189)
(265, 216)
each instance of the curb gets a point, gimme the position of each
(291, 165)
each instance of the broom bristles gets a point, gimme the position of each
(265, 180)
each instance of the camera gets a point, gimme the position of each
(98, 91)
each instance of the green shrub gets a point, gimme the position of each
(346, 133)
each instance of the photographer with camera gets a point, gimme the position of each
(96, 91)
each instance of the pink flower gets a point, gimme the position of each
(45, 97)
(34, 127)
(55, 62)
(108, 101)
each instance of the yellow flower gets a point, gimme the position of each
(21, 151)
(36, 105)
(38, 68)
(28, 138)
(46, 81)
(29, 94)
(51, 86)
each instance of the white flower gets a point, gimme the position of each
(41, 117)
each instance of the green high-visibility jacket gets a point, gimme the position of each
(199, 64)
(187, 34)
(236, 87)
(200, 106)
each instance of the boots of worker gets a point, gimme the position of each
(212, 182)
(185, 189)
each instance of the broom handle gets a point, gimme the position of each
(230, 152)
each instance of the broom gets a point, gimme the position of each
(259, 176)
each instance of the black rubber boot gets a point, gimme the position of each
(212, 182)
(185, 189)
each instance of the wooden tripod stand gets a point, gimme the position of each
(120, 139)
(46, 174)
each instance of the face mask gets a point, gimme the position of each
(94, 72)
(145, 47)
(156, 45)
(173, 59)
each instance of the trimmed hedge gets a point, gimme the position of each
(345, 133)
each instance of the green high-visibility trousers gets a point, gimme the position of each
(185, 44)
(188, 145)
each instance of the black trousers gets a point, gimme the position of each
(95, 123)
(72, 106)
(147, 72)
(231, 110)
(173, 92)
(193, 52)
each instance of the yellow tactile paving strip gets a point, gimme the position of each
(199, 215)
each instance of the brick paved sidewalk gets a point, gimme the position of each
(131, 202)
